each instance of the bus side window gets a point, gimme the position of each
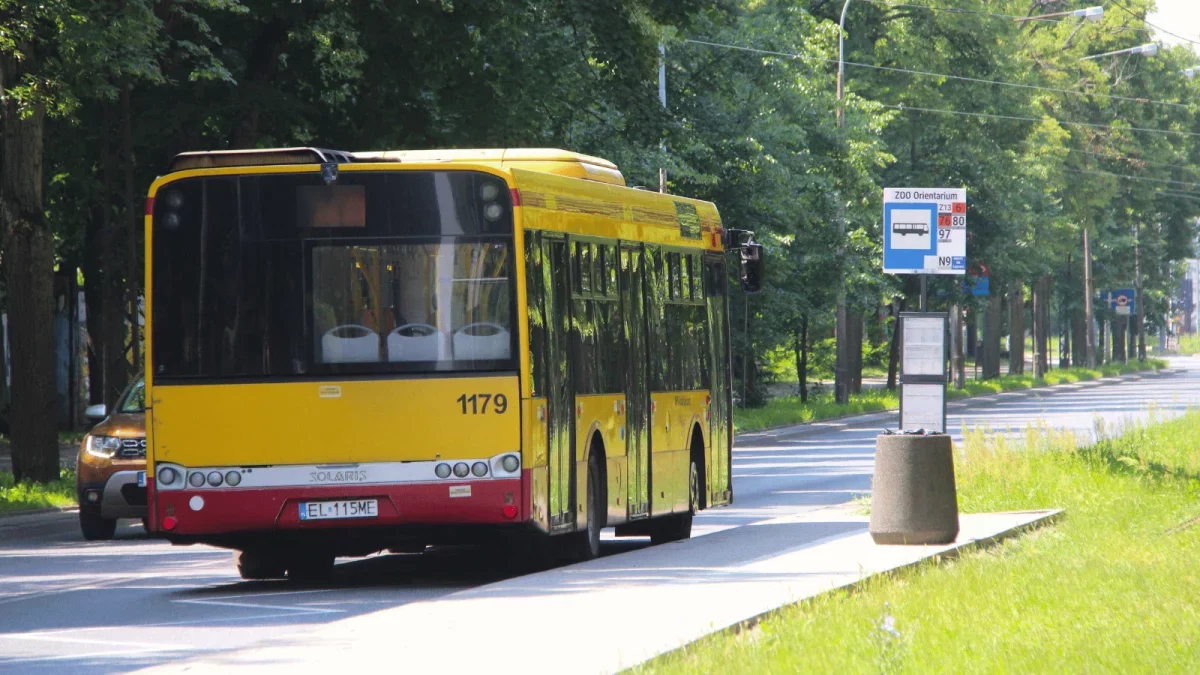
(657, 296)
(535, 287)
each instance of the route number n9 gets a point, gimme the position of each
(477, 404)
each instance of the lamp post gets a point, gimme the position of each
(1148, 49)
(1087, 14)
(841, 386)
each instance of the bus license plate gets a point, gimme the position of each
(356, 508)
(141, 479)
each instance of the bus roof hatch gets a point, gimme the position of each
(543, 160)
(209, 159)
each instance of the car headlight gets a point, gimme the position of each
(103, 446)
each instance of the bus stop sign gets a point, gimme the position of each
(925, 230)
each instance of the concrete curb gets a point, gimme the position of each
(865, 419)
(37, 516)
(1051, 517)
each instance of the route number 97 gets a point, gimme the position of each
(477, 404)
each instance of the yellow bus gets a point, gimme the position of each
(356, 352)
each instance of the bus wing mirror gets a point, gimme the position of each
(752, 267)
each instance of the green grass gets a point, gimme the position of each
(1189, 344)
(1052, 377)
(1113, 587)
(26, 496)
(787, 410)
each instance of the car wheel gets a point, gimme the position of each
(94, 526)
(253, 565)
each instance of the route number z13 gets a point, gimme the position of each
(477, 404)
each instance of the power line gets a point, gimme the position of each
(924, 73)
(1009, 17)
(1135, 160)
(956, 10)
(1127, 176)
(1021, 118)
(1157, 28)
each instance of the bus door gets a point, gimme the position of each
(559, 391)
(637, 387)
(720, 489)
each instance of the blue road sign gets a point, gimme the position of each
(1119, 300)
(979, 287)
(924, 230)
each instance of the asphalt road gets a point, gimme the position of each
(67, 605)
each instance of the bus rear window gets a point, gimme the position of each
(331, 206)
(263, 277)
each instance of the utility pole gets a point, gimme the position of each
(1088, 307)
(1137, 294)
(841, 385)
(662, 98)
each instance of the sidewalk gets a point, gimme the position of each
(66, 455)
(615, 612)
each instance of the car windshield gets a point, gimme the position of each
(134, 400)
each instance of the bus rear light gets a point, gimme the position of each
(215, 478)
(516, 197)
(461, 469)
(196, 479)
(479, 469)
(168, 476)
(233, 478)
(169, 523)
(510, 511)
(442, 470)
(510, 463)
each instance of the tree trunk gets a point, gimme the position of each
(991, 337)
(958, 363)
(1102, 344)
(1016, 328)
(134, 219)
(894, 349)
(1078, 341)
(1041, 328)
(802, 359)
(1118, 331)
(854, 335)
(29, 269)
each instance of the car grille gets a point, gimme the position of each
(132, 448)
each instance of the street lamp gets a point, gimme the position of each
(1148, 49)
(841, 387)
(1087, 14)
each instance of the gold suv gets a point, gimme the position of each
(110, 473)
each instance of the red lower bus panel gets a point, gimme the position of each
(232, 510)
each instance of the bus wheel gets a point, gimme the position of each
(94, 526)
(678, 526)
(252, 565)
(588, 545)
(310, 568)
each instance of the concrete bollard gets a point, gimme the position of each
(913, 499)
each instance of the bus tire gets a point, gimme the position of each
(310, 568)
(588, 542)
(94, 526)
(678, 526)
(255, 565)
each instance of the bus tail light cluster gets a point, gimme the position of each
(500, 466)
(172, 477)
